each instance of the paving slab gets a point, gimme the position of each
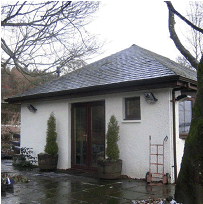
(60, 188)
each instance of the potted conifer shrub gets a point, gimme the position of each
(111, 167)
(49, 159)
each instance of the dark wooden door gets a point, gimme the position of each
(88, 134)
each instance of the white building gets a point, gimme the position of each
(139, 87)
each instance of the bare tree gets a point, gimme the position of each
(46, 35)
(183, 61)
(189, 186)
(194, 37)
(196, 17)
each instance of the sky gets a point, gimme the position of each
(121, 24)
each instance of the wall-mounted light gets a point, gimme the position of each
(31, 108)
(183, 97)
(150, 97)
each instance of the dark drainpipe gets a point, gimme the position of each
(174, 135)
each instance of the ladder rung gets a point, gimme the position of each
(156, 145)
(156, 164)
(157, 177)
(157, 173)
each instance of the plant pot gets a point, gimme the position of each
(47, 161)
(109, 169)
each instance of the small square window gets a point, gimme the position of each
(132, 108)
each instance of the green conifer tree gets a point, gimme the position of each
(112, 150)
(51, 144)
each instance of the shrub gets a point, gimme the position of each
(51, 146)
(112, 150)
(25, 158)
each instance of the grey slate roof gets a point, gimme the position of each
(131, 64)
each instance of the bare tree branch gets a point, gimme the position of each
(9, 17)
(193, 37)
(47, 35)
(171, 8)
(176, 40)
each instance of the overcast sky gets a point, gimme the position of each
(144, 23)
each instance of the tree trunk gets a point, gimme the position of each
(189, 187)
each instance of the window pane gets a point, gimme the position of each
(79, 132)
(185, 116)
(97, 133)
(132, 108)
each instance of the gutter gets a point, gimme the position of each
(168, 81)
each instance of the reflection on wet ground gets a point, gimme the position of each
(60, 188)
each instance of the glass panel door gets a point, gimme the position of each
(88, 134)
(97, 133)
(80, 136)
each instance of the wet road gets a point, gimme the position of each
(60, 188)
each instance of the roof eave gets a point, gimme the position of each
(167, 81)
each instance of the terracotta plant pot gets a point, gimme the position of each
(47, 161)
(109, 169)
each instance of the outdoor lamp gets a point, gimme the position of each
(183, 97)
(150, 97)
(31, 108)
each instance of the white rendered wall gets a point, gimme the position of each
(156, 120)
(34, 127)
(134, 136)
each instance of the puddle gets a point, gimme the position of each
(60, 188)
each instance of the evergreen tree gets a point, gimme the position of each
(51, 145)
(112, 149)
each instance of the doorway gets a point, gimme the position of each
(88, 134)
